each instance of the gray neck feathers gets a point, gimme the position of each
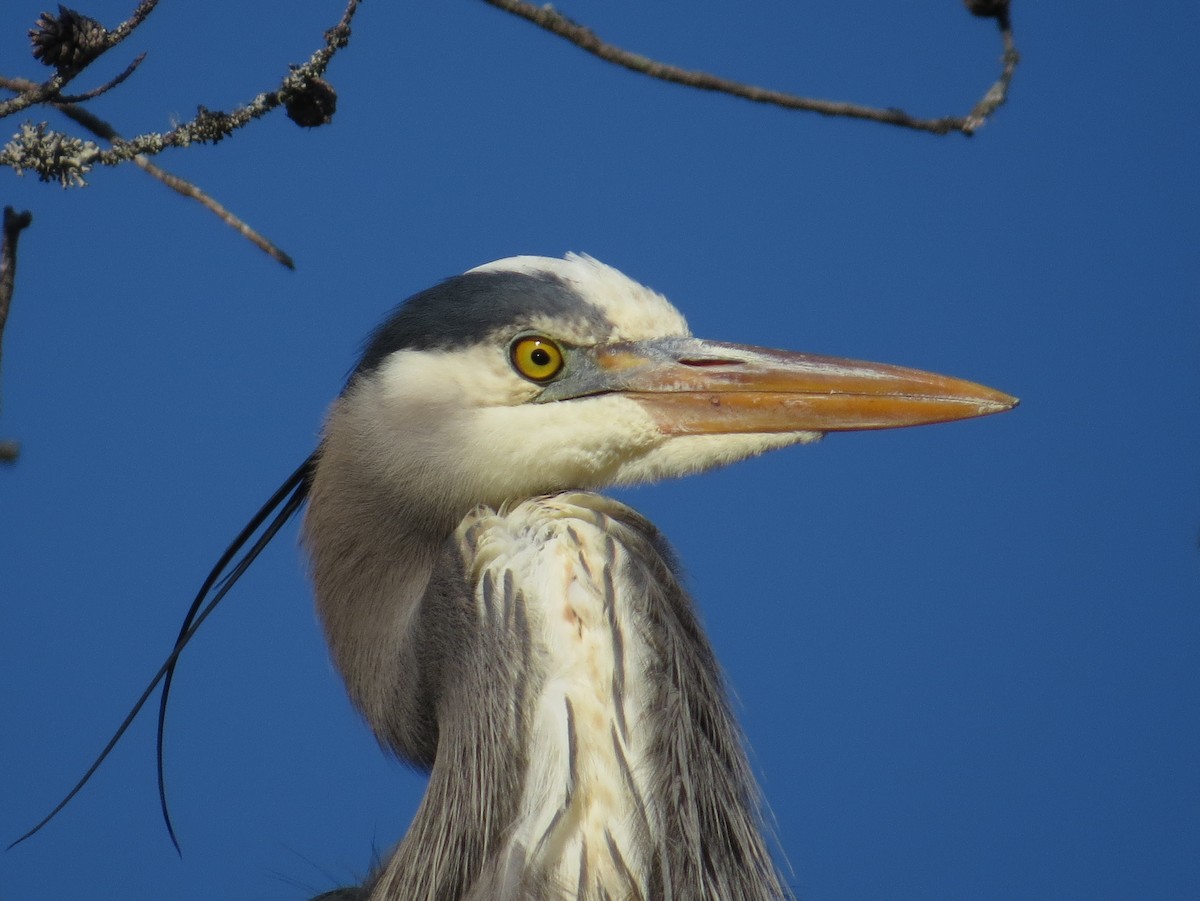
(371, 555)
(446, 672)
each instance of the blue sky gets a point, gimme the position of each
(967, 657)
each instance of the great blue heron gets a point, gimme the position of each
(524, 640)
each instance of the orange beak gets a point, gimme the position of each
(694, 387)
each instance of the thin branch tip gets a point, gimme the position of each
(14, 223)
(550, 19)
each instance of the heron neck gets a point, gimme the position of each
(585, 747)
(371, 556)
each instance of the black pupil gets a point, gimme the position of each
(540, 356)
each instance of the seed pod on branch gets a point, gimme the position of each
(989, 9)
(312, 104)
(69, 41)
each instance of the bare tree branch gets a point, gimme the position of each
(187, 189)
(212, 126)
(102, 129)
(14, 224)
(104, 88)
(50, 89)
(54, 156)
(122, 31)
(998, 92)
(551, 20)
(40, 94)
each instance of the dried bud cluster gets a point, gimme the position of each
(68, 42)
(312, 104)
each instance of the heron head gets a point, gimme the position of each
(531, 375)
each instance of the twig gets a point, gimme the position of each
(213, 126)
(102, 129)
(52, 87)
(187, 189)
(14, 224)
(122, 31)
(998, 92)
(66, 159)
(104, 88)
(38, 94)
(58, 157)
(551, 20)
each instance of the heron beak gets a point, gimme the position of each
(694, 387)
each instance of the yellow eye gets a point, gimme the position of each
(538, 359)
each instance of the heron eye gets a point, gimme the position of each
(537, 359)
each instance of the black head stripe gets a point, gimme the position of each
(469, 308)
